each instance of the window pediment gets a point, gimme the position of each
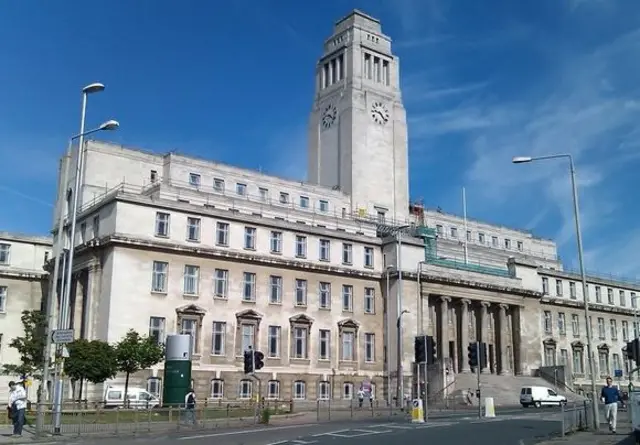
(191, 309)
(301, 319)
(603, 347)
(550, 342)
(577, 344)
(248, 314)
(348, 323)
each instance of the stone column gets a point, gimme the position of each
(444, 328)
(483, 332)
(92, 297)
(464, 332)
(503, 338)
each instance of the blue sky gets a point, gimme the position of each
(233, 81)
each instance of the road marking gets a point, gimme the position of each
(303, 442)
(434, 425)
(398, 427)
(330, 434)
(256, 430)
(278, 443)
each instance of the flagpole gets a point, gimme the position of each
(464, 213)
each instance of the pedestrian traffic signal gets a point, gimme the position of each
(420, 349)
(633, 350)
(248, 362)
(258, 362)
(473, 354)
(431, 351)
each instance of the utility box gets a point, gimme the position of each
(177, 370)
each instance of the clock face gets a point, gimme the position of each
(379, 113)
(329, 116)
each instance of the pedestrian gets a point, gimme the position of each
(190, 407)
(610, 395)
(18, 405)
(360, 397)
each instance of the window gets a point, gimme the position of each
(347, 298)
(299, 342)
(301, 292)
(559, 288)
(159, 277)
(481, 238)
(578, 361)
(575, 325)
(610, 296)
(245, 389)
(369, 348)
(324, 297)
(83, 232)
(347, 253)
(572, 290)
(5, 253)
(520, 245)
(325, 344)
(217, 389)
(241, 189)
(222, 234)
(154, 386)
(153, 176)
(507, 243)
(613, 328)
(191, 280)
(494, 241)
(162, 224)
(194, 179)
(273, 389)
(193, 229)
(348, 353)
(301, 246)
(616, 361)
(634, 300)
(273, 350)
(249, 286)
(275, 289)
(623, 298)
(547, 322)
(324, 390)
(439, 230)
(369, 300)
(218, 338)
(221, 283)
(96, 226)
(248, 336)
(347, 391)
(218, 185)
(325, 249)
(545, 285)
(250, 238)
(156, 327)
(299, 390)
(264, 194)
(304, 202)
(189, 326)
(276, 242)
(284, 198)
(562, 324)
(598, 294)
(453, 232)
(625, 330)
(603, 362)
(469, 236)
(368, 257)
(601, 329)
(323, 205)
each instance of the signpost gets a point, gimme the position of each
(366, 387)
(62, 336)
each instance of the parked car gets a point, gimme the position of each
(136, 398)
(539, 396)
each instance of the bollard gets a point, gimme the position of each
(489, 408)
(562, 410)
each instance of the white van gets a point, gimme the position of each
(540, 396)
(137, 397)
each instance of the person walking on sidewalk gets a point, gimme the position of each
(18, 405)
(190, 405)
(610, 395)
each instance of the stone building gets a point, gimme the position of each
(23, 286)
(317, 275)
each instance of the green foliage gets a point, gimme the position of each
(94, 361)
(30, 346)
(135, 352)
(266, 416)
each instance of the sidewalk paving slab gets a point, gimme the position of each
(590, 438)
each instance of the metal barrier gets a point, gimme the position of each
(575, 416)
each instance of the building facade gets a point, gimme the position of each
(318, 275)
(23, 286)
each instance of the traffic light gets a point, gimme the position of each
(420, 349)
(431, 350)
(473, 354)
(258, 362)
(248, 362)
(633, 350)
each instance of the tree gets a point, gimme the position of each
(134, 353)
(30, 346)
(94, 361)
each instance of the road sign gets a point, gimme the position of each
(366, 386)
(617, 373)
(62, 336)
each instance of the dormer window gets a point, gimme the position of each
(194, 179)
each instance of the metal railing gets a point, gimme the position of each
(575, 416)
(88, 419)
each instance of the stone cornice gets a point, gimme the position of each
(23, 275)
(590, 279)
(594, 307)
(120, 240)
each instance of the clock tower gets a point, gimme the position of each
(358, 127)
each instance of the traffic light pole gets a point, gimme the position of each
(478, 376)
(426, 383)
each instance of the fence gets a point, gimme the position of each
(83, 419)
(576, 416)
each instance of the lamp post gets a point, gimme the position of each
(400, 393)
(388, 270)
(399, 311)
(583, 274)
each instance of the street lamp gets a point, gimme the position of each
(400, 386)
(583, 274)
(60, 243)
(400, 393)
(387, 271)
